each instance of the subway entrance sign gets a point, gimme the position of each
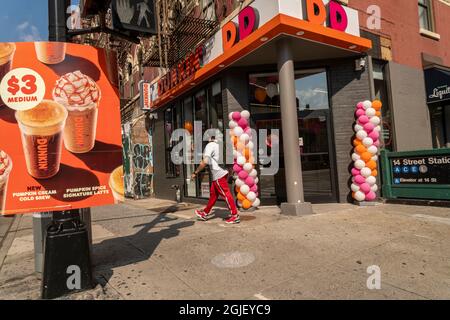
(416, 174)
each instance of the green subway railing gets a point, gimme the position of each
(416, 174)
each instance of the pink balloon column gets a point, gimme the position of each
(367, 142)
(244, 169)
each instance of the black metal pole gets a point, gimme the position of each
(57, 20)
(66, 247)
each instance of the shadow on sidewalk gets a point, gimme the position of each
(124, 251)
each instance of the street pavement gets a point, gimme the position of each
(155, 249)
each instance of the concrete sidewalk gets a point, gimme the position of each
(155, 249)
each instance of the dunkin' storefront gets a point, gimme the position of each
(294, 64)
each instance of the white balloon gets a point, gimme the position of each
(371, 112)
(367, 104)
(256, 180)
(374, 188)
(235, 154)
(355, 188)
(241, 160)
(356, 157)
(373, 149)
(239, 204)
(251, 196)
(245, 189)
(375, 158)
(375, 120)
(232, 124)
(377, 128)
(230, 116)
(253, 173)
(360, 196)
(251, 145)
(248, 167)
(239, 183)
(256, 203)
(371, 180)
(361, 134)
(359, 164)
(366, 172)
(244, 138)
(271, 90)
(245, 114)
(358, 127)
(368, 142)
(238, 131)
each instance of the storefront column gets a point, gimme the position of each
(296, 204)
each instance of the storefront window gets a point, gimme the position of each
(381, 94)
(171, 123)
(313, 122)
(191, 186)
(440, 125)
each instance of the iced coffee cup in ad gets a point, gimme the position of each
(116, 184)
(42, 134)
(7, 51)
(50, 52)
(80, 95)
(5, 171)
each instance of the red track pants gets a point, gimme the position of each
(220, 187)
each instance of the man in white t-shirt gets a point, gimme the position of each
(219, 186)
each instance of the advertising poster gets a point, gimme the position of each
(60, 133)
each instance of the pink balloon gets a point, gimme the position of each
(360, 105)
(374, 135)
(254, 188)
(243, 175)
(368, 127)
(360, 179)
(377, 143)
(371, 196)
(248, 131)
(237, 168)
(250, 181)
(363, 120)
(356, 172)
(360, 112)
(365, 187)
(236, 116)
(243, 123)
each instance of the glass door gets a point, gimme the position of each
(314, 131)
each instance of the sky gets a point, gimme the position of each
(24, 20)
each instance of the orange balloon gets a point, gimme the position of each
(237, 189)
(189, 127)
(241, 197)
(251, 160)
(246, 204)
(247, 153)
(357, 142)
(361, 149)
(377, 105)
(378, 114)
(260, 95)
(235, 140)
(240, 146)
(375, 173)
(372, 165)
(366, 156)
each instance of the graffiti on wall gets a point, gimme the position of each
(138, 161)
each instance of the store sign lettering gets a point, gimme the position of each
(440, 93)
(184, 70)
(333, 15)
(232, 34)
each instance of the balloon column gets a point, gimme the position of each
(367, 143)
(244, 169)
